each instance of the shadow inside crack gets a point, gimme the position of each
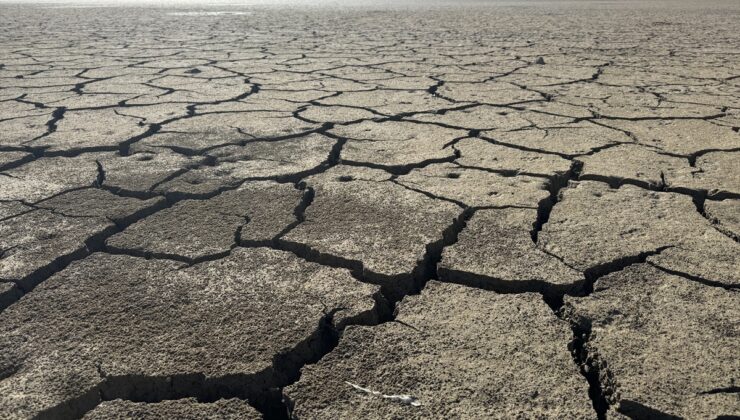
(637, 411)
(262, 389)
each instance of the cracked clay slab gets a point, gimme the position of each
(90, 129)
(718, 174)
(362, 218)
(482, 154)
(476, 188)
(453, 352)
(652, 332)
(634, 163)
(726, 214)
(195, 202)
(567, 139)
(141, 172)
(594, 227)
(496, 250)
(263, 159)
(91, 202)
(46, 177)
(232, 326)
(395, 143)
(184, 409)
(192, 230)
(29, 255)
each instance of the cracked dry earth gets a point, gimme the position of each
(492, 211)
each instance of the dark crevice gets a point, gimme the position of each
(394, 287)
(615, 182)
(124, 147)
(300, 210)
(8, 298)
(706, 282)
(323, 129)
(453, 142)
(714, 195)
(433, 89)
(695, 155)
(392, 292)
(602, 388)
(594, 273)
(523, 148)
(637, 411)
(152, 255)
(598, 149)
(16, 163)
(553, 294)
(168, 178)
(124, 222)
(336, 150)
(428, 194)
(190, 261)
(92, 244)
(428, 269)
(732, 389)
(56, 116)
(701, 208)
(95, 243)
(403, 169)
(700, 203)
(652, 118)
(261, 389)
(555, 186)
(293, 178)
(505, 172)
(100, 178)
(121, 222)
(697, 195)
(123, 192)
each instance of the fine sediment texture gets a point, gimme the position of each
(395, 210)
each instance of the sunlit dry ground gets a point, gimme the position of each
(445, 212)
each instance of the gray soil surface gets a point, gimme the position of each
(402, 210)
(184, 409)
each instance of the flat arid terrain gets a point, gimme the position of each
(398, 211)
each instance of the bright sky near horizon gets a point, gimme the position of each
(207, 3)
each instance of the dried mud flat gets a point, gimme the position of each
(489, 211)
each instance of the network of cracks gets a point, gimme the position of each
(494, 212)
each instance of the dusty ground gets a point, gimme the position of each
(461, 212)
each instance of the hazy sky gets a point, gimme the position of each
(287, 2)
(236, 4)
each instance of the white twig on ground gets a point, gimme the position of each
(403, 398)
